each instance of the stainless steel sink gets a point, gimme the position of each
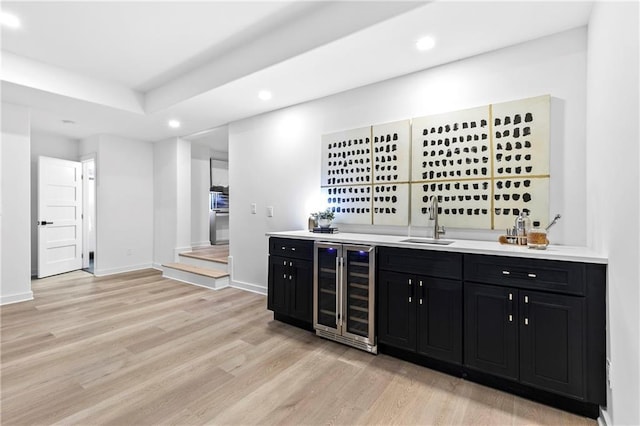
(427, 241)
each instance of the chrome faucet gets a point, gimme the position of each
(433, 215)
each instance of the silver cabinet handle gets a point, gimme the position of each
(290, 277)
(526, 321)
(290, 263)
(510, 318)
(531, 275)
(293, 249)
(506, 273)
(284, 263)
(284, 276)
(284, 248)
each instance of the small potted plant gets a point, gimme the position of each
(324, 218)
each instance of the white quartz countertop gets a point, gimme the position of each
(553, 252)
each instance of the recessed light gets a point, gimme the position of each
(174, 124)
(425, 43)
(9, 20)
(265, 95)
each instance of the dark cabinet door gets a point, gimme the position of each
(439, 318)
(491, 330)
(552, 342)
(301, 290)
(278, 285)
(396, 310)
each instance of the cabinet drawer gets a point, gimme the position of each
(288, 247)
(421, 262)
(552, 275)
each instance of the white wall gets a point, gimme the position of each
(15, 272)
(220, 172)
(274, 159)
(183, 180)
(172, 199)
(613, 199)
(47, 145)
(125, 209)
(164, 199)
(199, 195)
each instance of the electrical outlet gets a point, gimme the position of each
(270, 211)
(254, 208)
(609, 373)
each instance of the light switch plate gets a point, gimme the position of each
(254, 208)
(270, 211)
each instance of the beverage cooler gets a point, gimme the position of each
(344, 294)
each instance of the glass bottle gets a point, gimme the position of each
(537, 237)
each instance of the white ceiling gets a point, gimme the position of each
(125, 68)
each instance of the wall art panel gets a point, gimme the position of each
(462, 204)
(391, 152)
(391, 204)
(521, 137)
(451, 146)
(346, 157)
(485, 165)
(514, 195)
(351, 204)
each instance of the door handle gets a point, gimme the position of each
(44, 222)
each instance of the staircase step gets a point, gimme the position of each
(209, 278)
(202, 262)
(199, 255)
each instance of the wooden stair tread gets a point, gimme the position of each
(195, 255)
(213, 273)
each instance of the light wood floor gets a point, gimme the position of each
(138, 349)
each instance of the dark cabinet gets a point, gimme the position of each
(491, 329)
(551, 342)
(439, 319)
(541, 338)
(418, 312)
(290, 286)
(396, 310)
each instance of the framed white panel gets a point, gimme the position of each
(521, 137)
(391, 204)
(454, 145)
(462, 204)
(346, 158)
(391, 152)
(513, 195)
(351, 204)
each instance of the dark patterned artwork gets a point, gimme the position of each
(391, 154)
(347, 172)
(485, 165)
(452, 160)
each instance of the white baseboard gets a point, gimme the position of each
(604, 419)
(195, 279)
(156, 265)
(200, 244)
(254, 288)
(105, 272)
(16, 298)
(178, 250)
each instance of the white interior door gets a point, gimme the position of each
(59, 216)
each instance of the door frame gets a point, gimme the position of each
(85, 207)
